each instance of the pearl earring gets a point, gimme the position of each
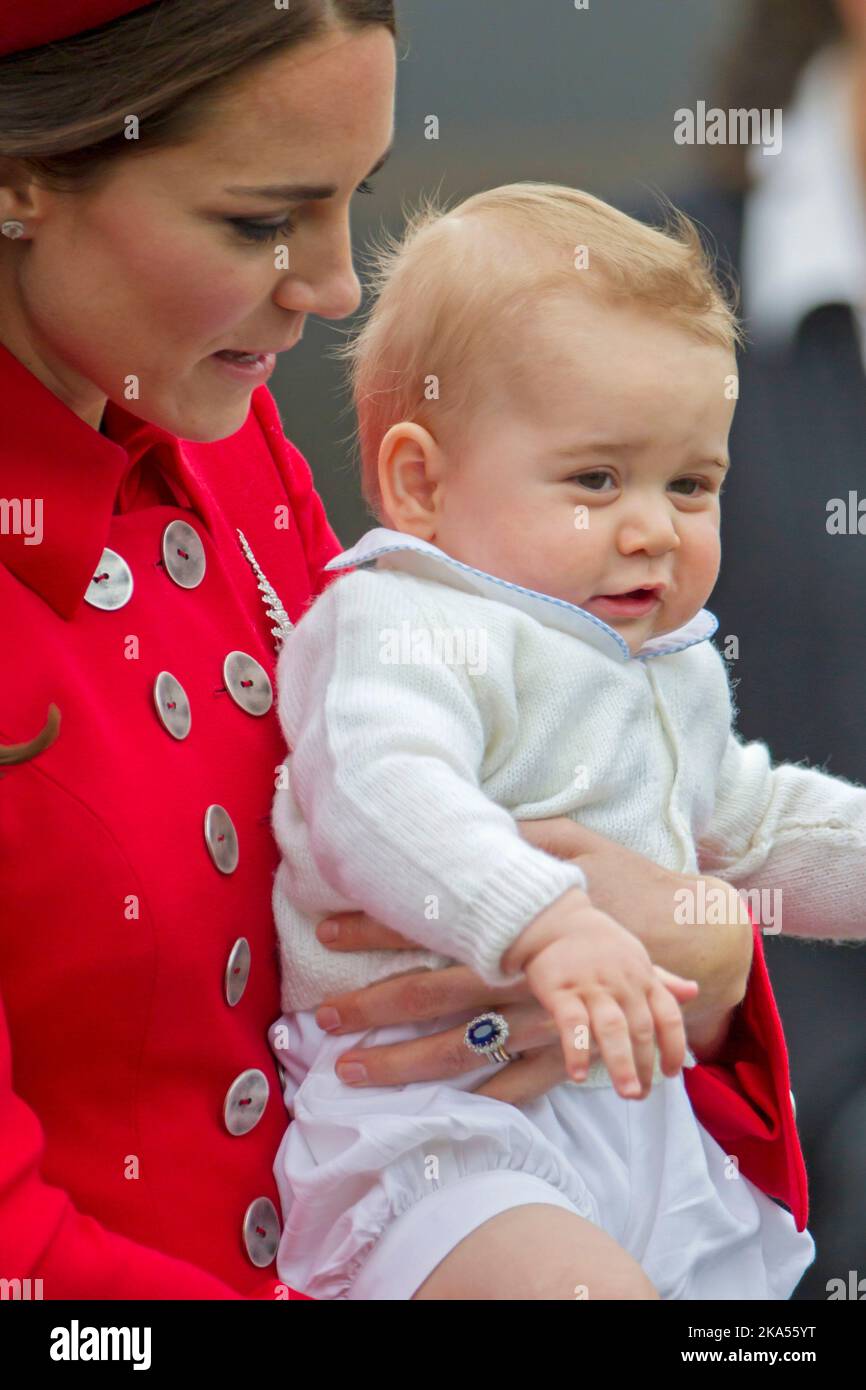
(13, 229)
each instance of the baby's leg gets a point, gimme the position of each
(537, 1251)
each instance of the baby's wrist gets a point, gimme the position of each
(555, 921)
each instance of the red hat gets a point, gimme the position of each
(33, 22)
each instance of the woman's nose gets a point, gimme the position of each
(323, 280)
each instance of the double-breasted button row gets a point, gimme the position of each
(249, 686)
(182, 554)
(244, 1106)
(246, 681)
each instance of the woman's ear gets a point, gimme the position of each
(411, 471)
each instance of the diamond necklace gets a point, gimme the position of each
(273, 605)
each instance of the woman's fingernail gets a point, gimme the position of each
(352, 1071)
(327, 930)
(632, 1088)
(327, 1019)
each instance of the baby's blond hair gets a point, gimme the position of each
(449, 293)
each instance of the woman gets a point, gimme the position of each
(143, 587)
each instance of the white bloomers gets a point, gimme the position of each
(378, 1184)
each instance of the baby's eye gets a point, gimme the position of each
(594, 480)
(692, 484)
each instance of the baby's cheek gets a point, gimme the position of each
(705, 559)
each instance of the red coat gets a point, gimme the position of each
(119, 1177)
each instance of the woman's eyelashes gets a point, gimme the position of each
(269, 231)
(262, 231)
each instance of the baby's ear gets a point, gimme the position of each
(411, 468)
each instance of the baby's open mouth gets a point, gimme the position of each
(632, 604)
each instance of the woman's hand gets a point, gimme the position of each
(627, 885)
(426, 994)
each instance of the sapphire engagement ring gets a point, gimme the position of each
(487, 1035)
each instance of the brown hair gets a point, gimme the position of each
(10, 754)
(769, 50)
(63, 106)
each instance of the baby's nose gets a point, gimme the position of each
(653, 532)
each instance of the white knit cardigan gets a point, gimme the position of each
(428, 706)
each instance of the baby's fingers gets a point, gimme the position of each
(572, 1021)
(642, 1033)
(678, 985)
(611, 1031)
(670, 1029)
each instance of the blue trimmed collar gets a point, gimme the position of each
(397, 551)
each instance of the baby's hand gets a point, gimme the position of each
(595, 978)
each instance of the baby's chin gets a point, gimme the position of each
(636, 632)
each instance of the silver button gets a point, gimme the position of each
(237, 970)
(221, 839)
(183, 554)
(245, 1101)
(248, 683)
(111, 586)
(172, 705)
(261, 1231)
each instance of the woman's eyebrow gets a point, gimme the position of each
(301, 192)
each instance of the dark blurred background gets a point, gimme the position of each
(587, 97)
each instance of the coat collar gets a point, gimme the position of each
(395, 550)
(79, 477)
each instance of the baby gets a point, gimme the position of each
(544, 390)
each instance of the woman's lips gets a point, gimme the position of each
(246, 368)
(635, 604)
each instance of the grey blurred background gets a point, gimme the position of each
(541, 90)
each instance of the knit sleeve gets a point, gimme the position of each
(794, 833)
(385, 769)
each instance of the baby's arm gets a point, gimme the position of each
(794, 835)
(385, 770)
